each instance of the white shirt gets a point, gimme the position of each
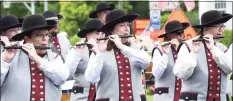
(159, 63)
(186, 62)
(229, 84)
(72, 60)
(55, 70)
(95, 64)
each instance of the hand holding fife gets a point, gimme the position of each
(117, 40)
(165, 49)
(99, 47)
(209, 41)
(195, 46)
(175, 43)
(29, 48)
(102, 44)
(8, 54)
(79, 49)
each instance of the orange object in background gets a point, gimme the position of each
(140, 24)
(178, 14)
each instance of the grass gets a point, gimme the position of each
(149, 96)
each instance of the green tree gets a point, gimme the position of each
(77, 13)
(227, 38)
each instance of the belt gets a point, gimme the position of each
(161, 90)
(186, 96)
(77, 89)
(67, 91)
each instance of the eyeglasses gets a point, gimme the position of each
(219, 26)
(42, 35)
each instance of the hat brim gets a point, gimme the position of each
(21, 20)
(185, 26)
(94, 13)
(82, 33)
(21, 35)
(11, 26)
(224, 19)
(126, 18)
(60, 16)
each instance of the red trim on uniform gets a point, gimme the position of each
(214, 77)
(225, 50)
(124, 74)
(37, 83)
(56, 43)
(178, 82)
(92, 93)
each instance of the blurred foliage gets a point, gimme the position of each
(227, 38)
(142, 8)
(77, 13)
(18, 8)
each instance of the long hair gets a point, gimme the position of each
(111, 45)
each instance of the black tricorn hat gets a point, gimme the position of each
(31, 23)
(213, 17)
(117, 16)
(90, 26)
(101, 7)
(50, 15)
(174, 27)
(8, 22)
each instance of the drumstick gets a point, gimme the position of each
(215, 37)
(20, 47)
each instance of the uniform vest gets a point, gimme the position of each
(208, 82)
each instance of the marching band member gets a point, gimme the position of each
(229, 87)
(32, 74)
(202, 66)
(167, 85)
(9, 27)
(60, 43)
(102, 9)
(116, 67)
(83, 90)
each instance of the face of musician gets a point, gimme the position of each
(54, 29)
(11, 32)
(92, 35)
(101, 15)
(122, 29)
(215, 29)
(38, 38)
(175, 36)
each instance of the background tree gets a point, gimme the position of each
(77, 13)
